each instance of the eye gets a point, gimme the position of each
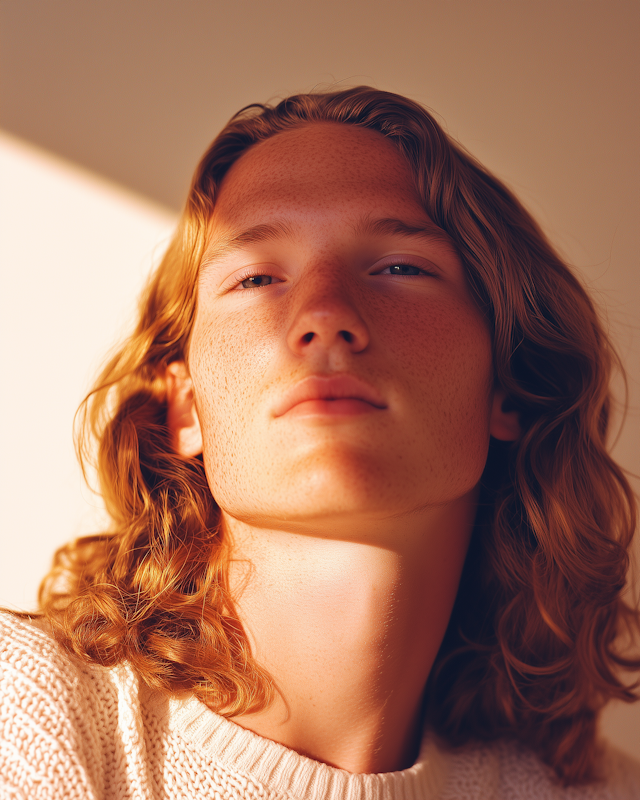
(256, 281)
(403, 269)
(249, 279)
(407, 270)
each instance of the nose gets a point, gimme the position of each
(326, 319)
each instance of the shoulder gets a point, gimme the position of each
(35, 665)
(507, 769)
(53, 712)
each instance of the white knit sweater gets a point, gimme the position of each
(69, 730)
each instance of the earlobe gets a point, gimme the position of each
(182, 417)
(504, 425)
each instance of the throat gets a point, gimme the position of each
(348, 632)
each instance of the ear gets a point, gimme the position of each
(182, 417)
(504, 424)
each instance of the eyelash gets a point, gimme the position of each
(245, 276)
(421, 270)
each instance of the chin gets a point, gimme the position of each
(329, 504)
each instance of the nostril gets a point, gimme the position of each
(310, 336)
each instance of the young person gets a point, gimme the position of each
(367, 540)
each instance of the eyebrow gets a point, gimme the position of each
(282, 229)
(390, 226)
(257, 234)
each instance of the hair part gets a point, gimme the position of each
(531, 651)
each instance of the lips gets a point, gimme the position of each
(328, 388)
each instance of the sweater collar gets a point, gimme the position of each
(269, 765)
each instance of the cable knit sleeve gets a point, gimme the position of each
(49, 738)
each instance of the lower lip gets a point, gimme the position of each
(345, 407)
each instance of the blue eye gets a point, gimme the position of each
(256, 281)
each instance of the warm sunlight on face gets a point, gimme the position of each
(341, 369)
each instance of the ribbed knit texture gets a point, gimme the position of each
(70, 730)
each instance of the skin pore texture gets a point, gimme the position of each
(340, 387)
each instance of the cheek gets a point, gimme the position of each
(227, 354)
(444, 347)
(446, 369)
(228, 358)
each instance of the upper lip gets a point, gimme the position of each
(328, 387)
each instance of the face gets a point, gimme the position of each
(341, 370)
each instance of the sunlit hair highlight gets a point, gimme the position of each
(531, 649)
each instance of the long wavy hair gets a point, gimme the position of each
(532, 650)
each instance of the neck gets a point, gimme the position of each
(349, 631)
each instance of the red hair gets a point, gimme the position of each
(531, 651)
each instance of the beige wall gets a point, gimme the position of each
(545, 93)
(75, 251)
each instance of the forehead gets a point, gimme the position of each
(323, 164)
